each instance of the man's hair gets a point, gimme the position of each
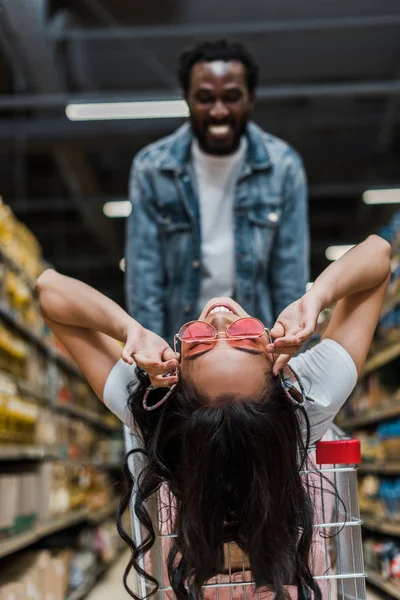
(217, 50)
(233, 469)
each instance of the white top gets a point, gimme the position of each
(216, 179)
(327, 372)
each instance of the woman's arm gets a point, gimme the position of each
(362, 269)
(67, 301)
(88, 324)
(356, 283)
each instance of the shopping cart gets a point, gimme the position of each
(336, 559)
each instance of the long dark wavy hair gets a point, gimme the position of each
(234, 469)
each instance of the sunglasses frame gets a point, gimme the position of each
(297, 398)
(217, 333)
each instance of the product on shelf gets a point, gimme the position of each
(19, 244)
(383, 557)
(388, 331)
(18, 416)
(381, 445)
(19, 502)
(380, 497)
(374, 392)
(36, 575)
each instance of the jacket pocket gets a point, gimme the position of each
(264, 223)
(169, 225)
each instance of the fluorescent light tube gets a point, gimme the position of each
(117, 209)
(104, 111)
(384, 196)
(335, 252)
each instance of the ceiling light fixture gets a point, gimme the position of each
(122, 265)
(117, 209)
(335, 252)
(383, 196)
(104, 111)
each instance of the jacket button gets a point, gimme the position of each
(187, 309)
(273, 217)
(196, 263)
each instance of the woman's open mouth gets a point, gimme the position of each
(221, 307)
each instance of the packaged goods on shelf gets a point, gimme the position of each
(388, 331)
(19, 502)
(380, 496)
(382, 445)
(49, 490)
(66, 487)
(19, 244)
(36, 575)
(57, 573)
(383, 557)
(374, 392)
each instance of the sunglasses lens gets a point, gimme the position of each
(247, 327)
(196, 330)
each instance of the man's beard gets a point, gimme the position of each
(220, 147)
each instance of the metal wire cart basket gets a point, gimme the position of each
(337, 557)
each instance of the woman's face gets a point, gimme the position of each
(226, 366)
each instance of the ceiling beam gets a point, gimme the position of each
(27, 19)
(316, 192)
(218, 29)
(264, 93)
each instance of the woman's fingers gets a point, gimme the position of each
(169, 354)
(277, 331)
(153, 366)
(127, 355)
(280, 363)
(293, 338)
(162, 381)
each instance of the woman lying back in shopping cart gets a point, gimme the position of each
(227, 428)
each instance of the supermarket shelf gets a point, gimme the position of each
(14, 452)
(25, 389)
(384, 468)
(386, 412)
(381, 358)
(40, 531)
(70, 408)
(96, 517)
(386, 585)
(381, 525)
(12, 320)
(87, 415)
(24, 540)
(12, 265)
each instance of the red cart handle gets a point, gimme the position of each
(340, 452)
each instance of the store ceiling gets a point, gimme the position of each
(330, 85)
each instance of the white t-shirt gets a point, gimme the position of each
(216, 179)
(327, 372)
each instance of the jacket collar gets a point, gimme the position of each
(179, 152)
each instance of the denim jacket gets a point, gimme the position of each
(163, 244)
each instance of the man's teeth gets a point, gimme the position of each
(220, 309)
(219, 129)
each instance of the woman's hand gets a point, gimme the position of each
(152, 354)
(294, 326)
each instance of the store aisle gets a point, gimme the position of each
(111, 586)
